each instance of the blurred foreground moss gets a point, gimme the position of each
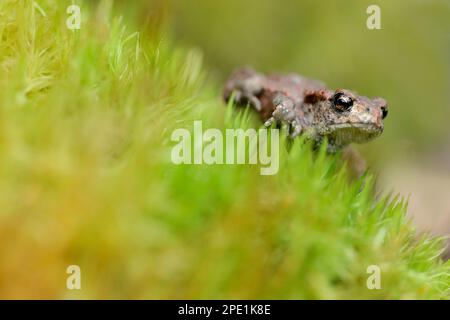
(85, 179)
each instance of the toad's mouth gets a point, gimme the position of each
(346, 133)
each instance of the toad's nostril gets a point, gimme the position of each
(382, 104)
(384, 111)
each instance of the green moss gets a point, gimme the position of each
(85, 179)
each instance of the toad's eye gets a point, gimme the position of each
(342, 102)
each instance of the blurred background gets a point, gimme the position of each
(124, 229)
(407, 62)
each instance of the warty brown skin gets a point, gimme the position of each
(308, 107)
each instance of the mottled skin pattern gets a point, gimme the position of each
(308, 107)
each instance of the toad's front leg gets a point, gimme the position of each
(286, 113)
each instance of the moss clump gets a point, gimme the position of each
(85, 123)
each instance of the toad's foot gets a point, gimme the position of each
(240, 97)
(285, 114)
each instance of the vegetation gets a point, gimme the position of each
(86, 179)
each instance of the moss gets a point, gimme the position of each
(85, 179)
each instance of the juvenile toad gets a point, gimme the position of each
(308, 107)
